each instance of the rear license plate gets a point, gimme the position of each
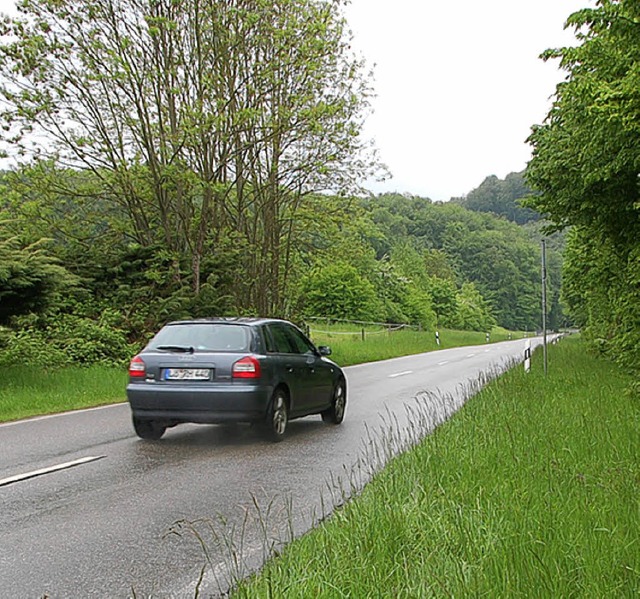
(187, 374)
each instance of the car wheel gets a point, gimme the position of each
(277, 416)
(335, 414)
(150, 430)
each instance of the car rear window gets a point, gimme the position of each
(204, 337)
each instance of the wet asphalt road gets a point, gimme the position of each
(131, 522)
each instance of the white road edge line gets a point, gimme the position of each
(470, 355)
(443, 363)
(34, 473)
(393, 376)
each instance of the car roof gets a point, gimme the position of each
(245, 320)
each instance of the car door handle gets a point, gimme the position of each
(289, 368)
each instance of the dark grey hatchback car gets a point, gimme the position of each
(222, 370)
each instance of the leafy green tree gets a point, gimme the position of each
(501, 197)
(199, 119)
(444, 296)
(586, 159)
(459, 245)
(586, 153)
(337, 290)
(602, 291)
(473, 311)
(31, 280)
(505, 268)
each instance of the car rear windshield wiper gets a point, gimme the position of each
(177, 348)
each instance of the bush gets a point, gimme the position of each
(601, 286)
(339, 291)
(63, 339)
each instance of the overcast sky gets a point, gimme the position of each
(459, 84)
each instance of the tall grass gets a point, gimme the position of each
(531, 490)
(29, 391)
(351, 344)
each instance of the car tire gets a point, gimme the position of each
(335, 414)
(277, 416)
(150, 430)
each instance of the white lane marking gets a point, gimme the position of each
(34, 473)
(470, 355)
(58, 414)
(393, 376)
(443, 363)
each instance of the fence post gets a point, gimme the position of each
(363, 333)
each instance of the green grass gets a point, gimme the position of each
(531, 490)
(350, 346)
(30, 391)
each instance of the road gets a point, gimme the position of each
(131, 518)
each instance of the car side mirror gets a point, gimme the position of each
(324, 350)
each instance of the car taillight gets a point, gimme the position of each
(137, 367)
(246, 368)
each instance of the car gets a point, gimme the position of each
(226, 370)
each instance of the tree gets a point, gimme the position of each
(586, 159)
(337, 290)
(456, 246)
(504, 266)
(200, 118)
(602, 291)
(501, 197)
(474, 312)
(30, 279)
(586, 155)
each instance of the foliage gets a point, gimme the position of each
(474, 312)
(498, 257)
(337, 290)
(194, 121)
(502, 198)
(602, 290)
(585, 164)
(586, 154)
(65, 339)
(31, 280)
(533, 484)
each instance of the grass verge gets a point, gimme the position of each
(530, 490)
(350, 345)
(30, 391)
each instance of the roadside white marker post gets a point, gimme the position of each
(437, 339)
(527, 355)
(487, 337)
(544, 303)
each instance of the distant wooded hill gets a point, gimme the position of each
(501, 197)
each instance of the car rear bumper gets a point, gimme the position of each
(190, 403)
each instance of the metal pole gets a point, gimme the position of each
(544, 303)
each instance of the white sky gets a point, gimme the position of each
(459, 85)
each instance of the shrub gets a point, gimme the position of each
(63, 339)
(339, 291)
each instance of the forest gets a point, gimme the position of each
(77, 289)
(205, 158)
